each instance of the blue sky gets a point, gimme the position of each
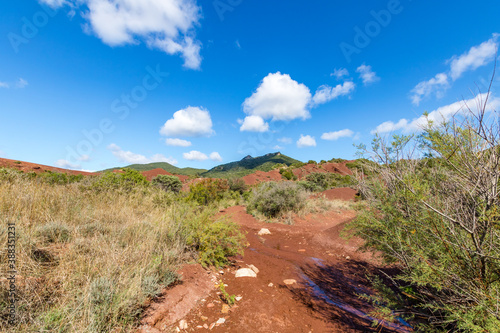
(92, 84)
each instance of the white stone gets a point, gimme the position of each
(253, 268)
(264, 231)
(289, 281)
(220, 321)
(183, 325)
(270, 284)
(238, 298)
(245, 272)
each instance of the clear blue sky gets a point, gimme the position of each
(91, 85)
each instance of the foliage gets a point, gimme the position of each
(162, 165)
(273, 199)
(435, 211)
(226, 298)
(320, 181)
(216, 241)
(237, 185)
(312, 162)
(168, 183)
(127, 180)
(287, 173)
(207, 190)
(54, 232)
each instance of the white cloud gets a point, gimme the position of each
(438, 116)
(177, 142)
(84, 158)
(476, 57)
(437, 84)
(254, 124)
(167, 25)
(189, 122)
(367, 74)
(326, 93)
(285, 140)
(277, 147)
(215, 156)
(195, 156)
(340, 73)
(278, 97)
(21, 83)
(132, 158)
(4, 85)
(345, 133)
(306, 141)
(68, 165)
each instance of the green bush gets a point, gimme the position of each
(435, 212)
(312, 162)
(216, 241)
(207, 190)
(127, 180)
(168, 183)
(273, 199)
(237, 185)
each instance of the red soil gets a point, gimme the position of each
(307, 169)
(38, 168)
(342, 193)
(329, 272)
(155, 172)
(261, 176)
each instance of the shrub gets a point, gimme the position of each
(207, 190)
(273, 199)
(435, 211)
(287, 174)
(127, 180)
(216, 241)
(312, 162)
(237, 185)
(168, 183)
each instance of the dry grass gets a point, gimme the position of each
(87, 261)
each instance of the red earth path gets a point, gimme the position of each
(329, 275)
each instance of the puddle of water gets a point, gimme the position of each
(319, 293)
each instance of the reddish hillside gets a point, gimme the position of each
(155, 172)
(307, 169)
(38, 168)
(261, 176)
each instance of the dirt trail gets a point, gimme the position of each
(329, 275)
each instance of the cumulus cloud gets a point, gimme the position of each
(254, 124)
(195, 155)
(132, 158)
(306, 141)
(68, 165)
(215, 156)
(177, 142)
(167, 25)
(285, 140)
(438, 116)
(4, 85)
(345, 133)
(189, 122)
(476, 57)
(326, 93)
(367, 74)
(279, 97)
(339, 73)
(424, 89)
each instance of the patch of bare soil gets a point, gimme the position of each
(341, 193)
(330, 167)
(38, 168)
(261, 176)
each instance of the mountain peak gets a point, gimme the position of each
(248, 157)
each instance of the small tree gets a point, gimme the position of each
(435, 201)
(167, 183)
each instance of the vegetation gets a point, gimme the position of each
(273, 199)
(90, 254)
(167, 183)
(207, 190)
(435, 212)
(165, 166)
(249, 165)
(318, 181)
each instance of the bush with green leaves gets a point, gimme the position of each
(207, 190)
(168, 183)
(435, 213)
(126, 180)
(215, 241)
(273, 199)
(237, 185)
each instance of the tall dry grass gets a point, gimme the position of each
(88, 260)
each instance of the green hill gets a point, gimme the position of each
(163, 165)
(249, 165)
